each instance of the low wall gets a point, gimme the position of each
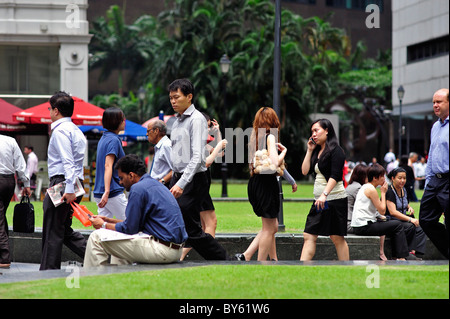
(27, 247)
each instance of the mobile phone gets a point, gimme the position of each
(325, 207)
(311, 139)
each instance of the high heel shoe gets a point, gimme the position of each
(239, 257)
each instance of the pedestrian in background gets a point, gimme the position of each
(32, 167)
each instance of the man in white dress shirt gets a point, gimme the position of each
(65, 164)
(32, 166)
(161, 167)
(11, 161)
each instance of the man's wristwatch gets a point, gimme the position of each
(325, 193)
(163, 181)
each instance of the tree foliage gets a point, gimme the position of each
(189, 38)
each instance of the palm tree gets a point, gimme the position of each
(117, 46)
(188, 39)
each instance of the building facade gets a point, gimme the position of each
(420, 63)
(43, 49)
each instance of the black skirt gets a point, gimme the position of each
(331, 221)
(263, 194)
(207, 203)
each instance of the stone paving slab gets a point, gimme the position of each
(28, 271)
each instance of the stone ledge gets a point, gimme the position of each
(26, 248)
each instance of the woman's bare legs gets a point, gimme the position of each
(341, 247)
(309, 247)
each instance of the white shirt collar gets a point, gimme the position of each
(161, 141)
(61, 120)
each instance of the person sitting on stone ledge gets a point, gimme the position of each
(153, 222)
(367, 203)
(357, 179)
(398, 208)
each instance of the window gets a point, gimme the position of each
(29, 69)
(428, 49)
(354, 4)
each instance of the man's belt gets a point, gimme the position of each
(442, 175)
(169, 244)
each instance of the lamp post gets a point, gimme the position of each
(224, 67)
(277, 94)
(141, 96)
(400, 94)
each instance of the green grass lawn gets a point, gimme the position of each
(244, 281)
(232, 217)
(248, 282)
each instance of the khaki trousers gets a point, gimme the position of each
(127, 251)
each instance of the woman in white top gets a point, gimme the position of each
(367, 203)
(359, 178)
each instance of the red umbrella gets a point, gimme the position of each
(83, 114)
(7, 122)
(166, 118)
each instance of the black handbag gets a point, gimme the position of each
(23, 220)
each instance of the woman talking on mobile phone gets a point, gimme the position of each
(328, 215)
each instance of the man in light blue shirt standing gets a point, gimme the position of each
(65, 164)
(435, 197)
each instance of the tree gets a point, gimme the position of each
(189, 38)
(117, 46)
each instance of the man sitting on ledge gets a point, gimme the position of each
(154, 230)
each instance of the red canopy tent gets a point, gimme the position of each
(7, 122)
(84, 113)
(166, 119)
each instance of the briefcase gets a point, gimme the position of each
(23, 220)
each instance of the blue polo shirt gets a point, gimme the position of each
(153, 210)
(109, 143)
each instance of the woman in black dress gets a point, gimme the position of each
(263, 189)
(328, 215)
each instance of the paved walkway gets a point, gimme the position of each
(28, 272)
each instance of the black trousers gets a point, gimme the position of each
(57, 230)
(7, 185)
(190, 204)
(434, 203)
(393, 229)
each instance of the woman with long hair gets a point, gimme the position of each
(263, 189)
(328, 215)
